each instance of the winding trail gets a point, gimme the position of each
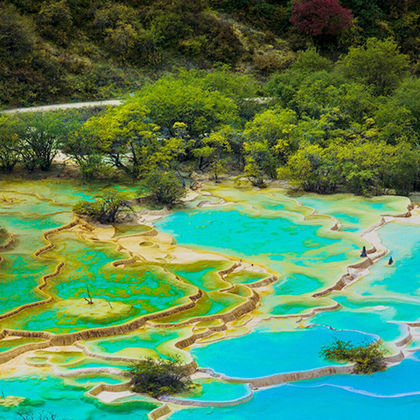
(56, 107)
(88, 104)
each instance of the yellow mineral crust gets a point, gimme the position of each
(11, 401)
(159, 248)
(101, 310)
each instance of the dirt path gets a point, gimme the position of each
(55, 107)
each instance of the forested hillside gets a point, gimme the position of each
(76, 49)
(322, 94)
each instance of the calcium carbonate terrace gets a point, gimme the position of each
(245, 286)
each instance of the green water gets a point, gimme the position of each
(49, 395)
(264, 227)
(211, 390)
(136, 344)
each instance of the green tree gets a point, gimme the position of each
(258, 161)
(311, 168)
(9, 146)
(124, 134)
(408, 95)
(215, 147)
(55, 21)
(17, 36)
(403, 168)
(118, 26)
(396, 123)
(364, 166)
(318, 93)
(170, 100)
(40, 136)
(241, 88)
(378, 63)
(310, 61)
(164, 187)
(84, 150)
(275, 127)
(285, 85)
(106, 209)
(355, 100)
(282, 87)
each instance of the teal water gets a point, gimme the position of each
(375, 323)
(297, 284)
(265, 352)
(204, 278)
(275, 239)
(397, 381)
(212, 390)
(353, 213)
(50, 395)
(91, 382)
(270, 231)
(238, 233)
(322, 402)
(402, 278)
(394, 393)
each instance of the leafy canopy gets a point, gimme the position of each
(320, 17)
(378, 63)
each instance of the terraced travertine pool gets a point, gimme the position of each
(240, 284)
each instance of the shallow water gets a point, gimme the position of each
(50, 395)
(266, 228)
(284, 351)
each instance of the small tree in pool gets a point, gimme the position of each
(160, 377)
(368, 358)
(106, 209)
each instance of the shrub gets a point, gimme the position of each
(164, 187)
(378, 62)
(368, 358)
(160, 377)
(9, 148)
(106, 209)
(40, 136)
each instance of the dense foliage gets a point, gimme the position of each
(60, 50)
(367, 358)
(106, 209)
(160, 377)
(323, 127)
(164, 187)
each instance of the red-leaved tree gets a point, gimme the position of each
(320, 17)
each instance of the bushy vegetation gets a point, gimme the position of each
(60, 50)
(164, 187)
(367, 359)
(160, 377)
(105, 209)
(322, 126)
